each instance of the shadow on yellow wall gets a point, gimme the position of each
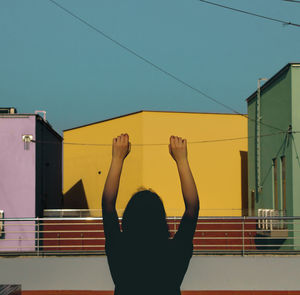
(219, 167)
(75, 197)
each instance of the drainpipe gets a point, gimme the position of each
(258, 150)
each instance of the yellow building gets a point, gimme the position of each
(219, 166)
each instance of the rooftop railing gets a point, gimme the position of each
(214, 235)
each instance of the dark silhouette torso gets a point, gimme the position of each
(144, 266)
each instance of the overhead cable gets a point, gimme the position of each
(159, 68)
(293, 1)
(296, 150)
(146, 60)
(158, 144)
(288, 23)
(277, 154)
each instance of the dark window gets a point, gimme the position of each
(283, 183)
(252, 203)
(275, 184)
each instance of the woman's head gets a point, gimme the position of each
(145, 216)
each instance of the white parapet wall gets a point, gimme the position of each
(204, 273)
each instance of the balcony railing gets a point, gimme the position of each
(84, 235)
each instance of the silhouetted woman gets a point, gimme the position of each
(142, 259)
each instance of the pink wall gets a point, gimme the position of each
(17, 180)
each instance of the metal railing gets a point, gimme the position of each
(213, 235)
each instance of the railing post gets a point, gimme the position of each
(243, 237)
(174, 226)
(38, 237)
(81, 236)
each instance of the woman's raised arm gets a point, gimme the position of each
(120, 149)
(178, 151)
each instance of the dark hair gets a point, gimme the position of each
(145, 217)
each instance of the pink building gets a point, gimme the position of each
(30, 175)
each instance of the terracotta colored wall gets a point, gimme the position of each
(212, 234)
(182, 292)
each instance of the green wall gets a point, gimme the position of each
(295, 82)
(296, 149)
(280, 107)
(275, 111)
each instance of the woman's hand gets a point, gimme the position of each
(178, 148)
(178, 151)
(120, 147)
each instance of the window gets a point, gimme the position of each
(252, 203)
(283, 183)
(275, 184)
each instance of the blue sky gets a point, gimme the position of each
(51, 61)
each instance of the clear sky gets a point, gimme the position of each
(51, 61)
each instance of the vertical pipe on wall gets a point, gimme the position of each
(258, 121)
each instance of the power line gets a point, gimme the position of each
(270, 168)
(293, 1)
(159, 68)
(146, 60)
(254, 14)
(283, 146)
(296, 150)
(158, 144)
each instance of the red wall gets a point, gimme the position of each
(213, 234)
(182, 292)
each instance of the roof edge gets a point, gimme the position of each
(272, 79)
(37, 117)
(49, 127)
(102, 121)
(148, 111)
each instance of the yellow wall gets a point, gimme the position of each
(216, 166)
(83, 162)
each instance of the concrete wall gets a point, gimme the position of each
(296, 139)
(295, 142)
(17, 181)
(275, 111)
(216, 165)
(48, 168)
(280, 102)
(30, 178)
(204, 273)
(86, 166)
(17, 173)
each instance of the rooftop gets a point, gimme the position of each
(272, 79)
(147, 111)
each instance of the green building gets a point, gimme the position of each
(273, 150)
